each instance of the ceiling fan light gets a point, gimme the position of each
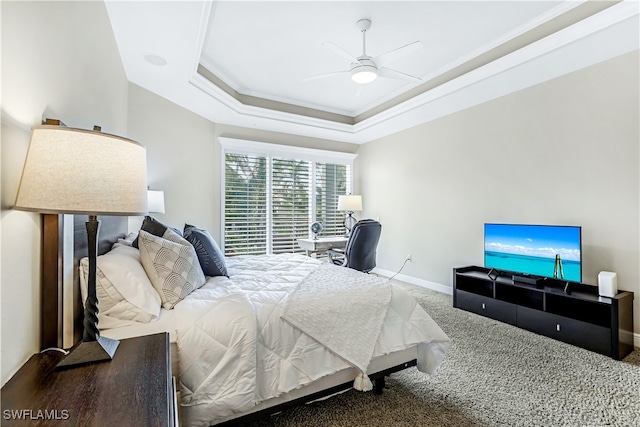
(364, 74)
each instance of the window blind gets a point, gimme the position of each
(245, 207)
(290, 204)
(331, 181)
(270, 200)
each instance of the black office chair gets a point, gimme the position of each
(360, 252)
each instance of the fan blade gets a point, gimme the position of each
(394, 74)
(391, 56)
(322, 76)
(358, 90)
(340, 51)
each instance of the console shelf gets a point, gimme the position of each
(577, 316)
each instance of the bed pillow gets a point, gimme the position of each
(125, 294)
(210, 256)
(172, 265)
(155, 227)
(128, 240)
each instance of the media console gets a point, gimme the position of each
(574, 314)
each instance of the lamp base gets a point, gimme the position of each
(349, 222)
(90, 351)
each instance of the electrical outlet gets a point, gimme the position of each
(409, 258)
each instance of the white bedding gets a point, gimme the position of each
(166, 323)
(236, 351)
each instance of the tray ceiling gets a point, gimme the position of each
(245, 63)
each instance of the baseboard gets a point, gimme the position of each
(415, 281)
(447, 290)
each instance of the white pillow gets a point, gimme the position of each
(172, 265)
(125, 294)
(128, 240)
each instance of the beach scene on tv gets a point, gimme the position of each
(540, 250)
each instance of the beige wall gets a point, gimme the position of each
(185, 156)
(562, 152)
(59, 60)
(181, 158)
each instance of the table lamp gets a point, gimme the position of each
(76, 171)
(349, 203)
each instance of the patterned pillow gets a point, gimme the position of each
(209, 254)
(155, 227)
(171, 264)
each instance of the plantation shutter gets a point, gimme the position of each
(272, 194)
(245, 219)
(331, 181)
(290, 204)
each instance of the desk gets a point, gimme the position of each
(322, 244)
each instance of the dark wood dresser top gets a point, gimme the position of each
(133, 389)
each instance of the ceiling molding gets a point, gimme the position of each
(269, 104)
(561, 41)
(531, 44)
(624, 16)
(546, 25)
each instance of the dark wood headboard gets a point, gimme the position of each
(60, 241)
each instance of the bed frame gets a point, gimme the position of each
(57, 232)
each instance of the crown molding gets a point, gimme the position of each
(562, 52)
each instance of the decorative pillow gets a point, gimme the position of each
(125, 294)
(128, 241)
(172, 266)
(209, 254)
(155, 227)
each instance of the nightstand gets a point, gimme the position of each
(133, 389)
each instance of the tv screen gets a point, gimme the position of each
(541, 250)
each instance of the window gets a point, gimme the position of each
(273, 193)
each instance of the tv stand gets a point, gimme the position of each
(567, 311)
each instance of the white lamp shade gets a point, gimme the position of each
(349, 203)
(155, 201)
(76, 171)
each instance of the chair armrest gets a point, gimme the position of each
(336, 256)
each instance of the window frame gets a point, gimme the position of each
(271, 150)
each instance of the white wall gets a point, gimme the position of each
(59, 60)
(563, 152)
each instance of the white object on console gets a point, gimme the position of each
(607, 284)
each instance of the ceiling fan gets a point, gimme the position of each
(364, 68)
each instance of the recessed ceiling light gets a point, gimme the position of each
(155, 60)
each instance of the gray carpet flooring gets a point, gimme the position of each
(494, 375)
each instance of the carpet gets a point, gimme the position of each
(494, 375)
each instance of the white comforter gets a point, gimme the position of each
(236, 351)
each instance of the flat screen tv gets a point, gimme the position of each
(540, 250)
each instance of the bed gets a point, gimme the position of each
(271, 334)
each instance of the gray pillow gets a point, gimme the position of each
(210, 256)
